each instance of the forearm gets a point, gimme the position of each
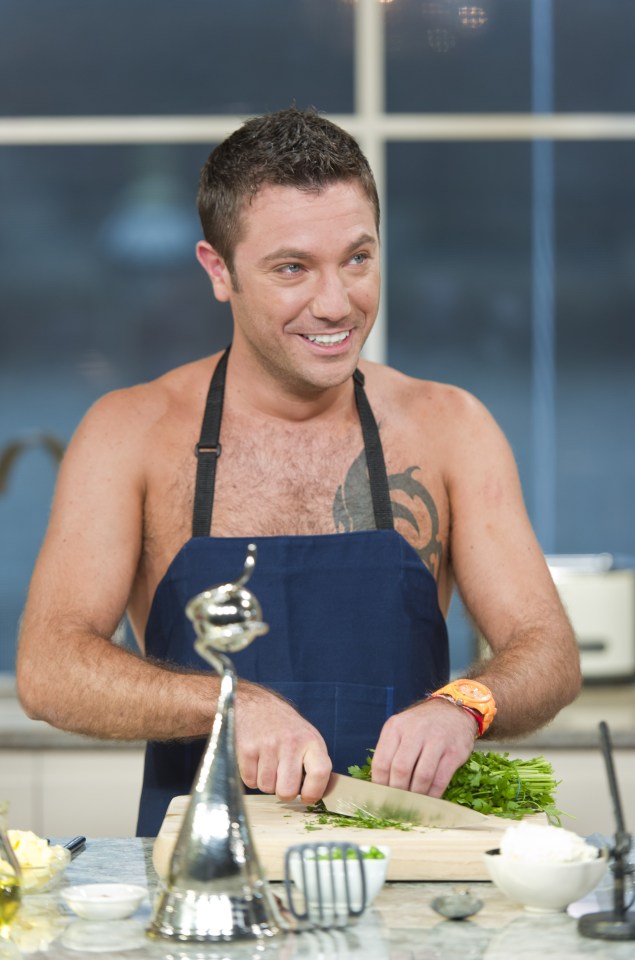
(86, 684)
(531, 680)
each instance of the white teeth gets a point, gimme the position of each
(326, 338)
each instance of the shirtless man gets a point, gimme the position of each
(368, 497)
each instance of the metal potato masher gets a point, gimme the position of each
(325, 884)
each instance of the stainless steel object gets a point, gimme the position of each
(325, 884)
(215, 888)
(350, 797)
(618, 923)
(458, 905)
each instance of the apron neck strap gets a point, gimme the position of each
(208, 450)
(377, 476)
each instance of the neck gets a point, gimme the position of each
(256, 392)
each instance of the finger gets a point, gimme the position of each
(454, 755)
(289, 776)
(448, 763)
(387, 745)
(248, 767)
(415, 768)
(317, 770)
(267, 770)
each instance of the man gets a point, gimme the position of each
(368, 494)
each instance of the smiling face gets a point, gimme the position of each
(305, 288)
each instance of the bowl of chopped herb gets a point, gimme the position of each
(330, 878)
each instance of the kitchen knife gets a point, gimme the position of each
(351, 797)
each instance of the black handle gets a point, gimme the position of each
(76, 845)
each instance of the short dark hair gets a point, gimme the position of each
(290, 148)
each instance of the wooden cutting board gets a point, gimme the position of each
(423, 853)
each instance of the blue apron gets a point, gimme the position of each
(355, 635)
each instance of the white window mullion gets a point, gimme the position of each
(369, 109)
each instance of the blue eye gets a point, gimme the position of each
(292, 268)
(359, 257)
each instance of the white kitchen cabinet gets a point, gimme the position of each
(17, 785)
(61, 793)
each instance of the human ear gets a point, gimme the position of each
(216, 269)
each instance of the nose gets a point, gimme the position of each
(330, 300)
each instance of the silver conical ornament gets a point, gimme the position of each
(215, 888)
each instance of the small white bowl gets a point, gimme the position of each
(323, 885)
(545, 887)
(104, 901)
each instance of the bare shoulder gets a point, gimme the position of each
(446, 408)
(134, 415)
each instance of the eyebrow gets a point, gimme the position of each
(291, 253)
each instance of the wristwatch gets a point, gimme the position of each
(473, 697)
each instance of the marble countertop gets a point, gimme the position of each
(401, 924)
(575, 727)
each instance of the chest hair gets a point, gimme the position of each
(283, 481)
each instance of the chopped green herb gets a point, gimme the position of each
(373, 853)
(367, 821)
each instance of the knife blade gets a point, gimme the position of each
(349, 797)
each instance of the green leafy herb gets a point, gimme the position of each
(362, 773)
(373, 853)
(493, 783)
(367, 821)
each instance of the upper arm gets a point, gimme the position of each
(497, 561)
(87, 563)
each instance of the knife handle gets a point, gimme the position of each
(76, 845)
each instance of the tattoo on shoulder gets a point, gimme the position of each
(353, 509)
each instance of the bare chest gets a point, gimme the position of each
(288, 481)
(268, 482)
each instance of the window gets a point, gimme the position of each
(502, 137)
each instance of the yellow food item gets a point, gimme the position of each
(39, 861)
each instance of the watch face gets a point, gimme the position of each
(474, 692)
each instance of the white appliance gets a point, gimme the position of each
(600, 602)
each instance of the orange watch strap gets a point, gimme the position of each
(474, 697)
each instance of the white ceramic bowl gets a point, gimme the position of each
(104, 901)
(322, 882)
(545, 887)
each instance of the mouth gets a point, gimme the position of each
(326, 339)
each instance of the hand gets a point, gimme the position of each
(278, 750)
(420, 749)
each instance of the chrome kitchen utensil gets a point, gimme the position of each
(349, 797)
(215, 888)
(618, 923)
(325, 884)
(458, 905)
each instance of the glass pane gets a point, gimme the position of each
(596, 347)
(452, 57)
(92, 57)
(459, 285)
(100, 289)
(593, 53)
